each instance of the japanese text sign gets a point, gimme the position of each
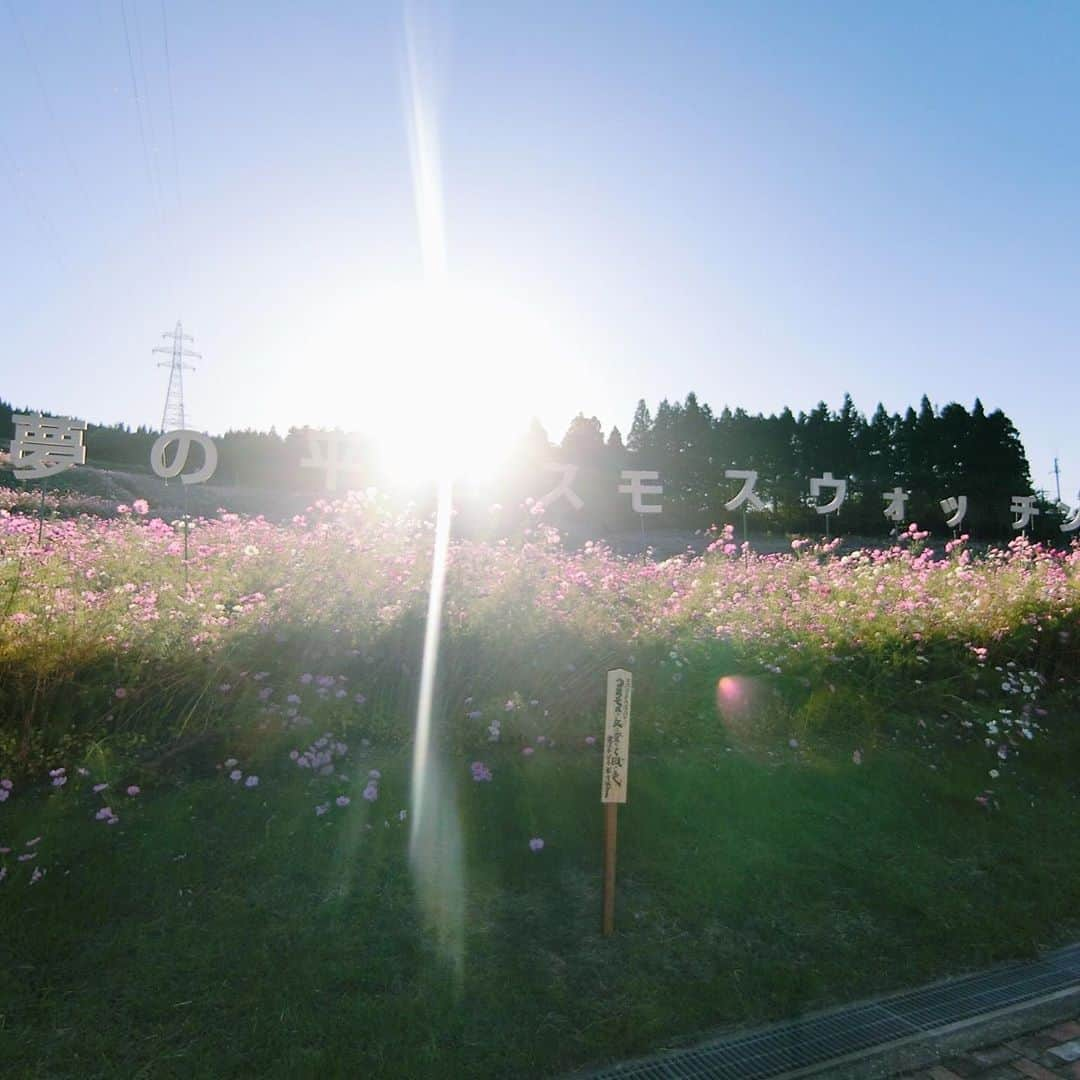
(44, 445)
(616, 737)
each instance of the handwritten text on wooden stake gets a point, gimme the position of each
(616, 737)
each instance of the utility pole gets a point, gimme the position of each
(1057, 479)
(173, 417)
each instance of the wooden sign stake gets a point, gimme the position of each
(613, 786)
(41, 510)
(611, 826)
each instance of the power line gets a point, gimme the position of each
(179, 245)
(57, 129)
(149, 106)
(33, 209)
(138, 107)
(172, 110)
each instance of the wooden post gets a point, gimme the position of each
(611, 825)
(613, 782)
(41, 511)
(187, 529)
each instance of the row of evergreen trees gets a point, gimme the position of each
(930, 453)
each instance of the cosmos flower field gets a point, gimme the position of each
(175, 739)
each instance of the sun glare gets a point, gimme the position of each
(449, 376)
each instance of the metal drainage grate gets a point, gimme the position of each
(1067, 959)
(818, 1039)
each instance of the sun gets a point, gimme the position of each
(449, 376)
(436, 379)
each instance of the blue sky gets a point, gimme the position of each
(768, 204)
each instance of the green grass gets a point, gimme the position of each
(223, 931)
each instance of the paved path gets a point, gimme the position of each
(1047, 1054)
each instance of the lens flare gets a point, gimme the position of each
(739, 703)
(435, 844)
(732, 693)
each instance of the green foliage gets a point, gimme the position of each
(931, 454)
(218, 930)
(818, 806)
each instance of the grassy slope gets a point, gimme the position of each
(218, 930)
(225, 931)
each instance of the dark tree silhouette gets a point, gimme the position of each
(931, 453)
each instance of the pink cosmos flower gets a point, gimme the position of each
(536, 844)
(590, 740)
(134, 789)
(6, 784)
(235, 775)
(371, 792)
(343, 800)
(251, 781)
(321, 809)
(103, 813)
(528, 751)
(140, 506)
(121, 692)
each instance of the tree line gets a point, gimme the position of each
(931, 453)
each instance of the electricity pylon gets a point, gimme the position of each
(173, 417)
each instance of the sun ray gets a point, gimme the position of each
(435, 845)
